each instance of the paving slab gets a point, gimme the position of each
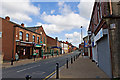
(82, 68)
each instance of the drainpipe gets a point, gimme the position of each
(12, 60)
(110, 7)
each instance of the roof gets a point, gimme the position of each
(26, 28)
(33, 28)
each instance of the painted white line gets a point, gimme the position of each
(27, 68)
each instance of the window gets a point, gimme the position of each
(21, 35)
(41, 38)
(33, 38)
(98, 13)
(38, 40)
(100, 9)
(27, 37)
(44, 40)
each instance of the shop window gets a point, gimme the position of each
(38, 40)
(27, 37)
(33, 38)
(21, 35)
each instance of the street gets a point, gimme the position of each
(39, 69)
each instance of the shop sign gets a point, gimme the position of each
(44, 44)
(85, 43)
(99, 35)
(37, 45)
(22, 44)
(0, 34)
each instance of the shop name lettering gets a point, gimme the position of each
(22, 44)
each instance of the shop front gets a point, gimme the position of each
(103, 51)
(37, 50)
(24, 49)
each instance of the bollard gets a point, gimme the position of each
(67, 64)
(74, 58)
(57, 70)
(34, 57)
(28, 77)
(71, 60)
(12, 61)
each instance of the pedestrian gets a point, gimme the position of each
(16, 57)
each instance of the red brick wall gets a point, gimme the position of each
(18, 29)
(43, 36)
(7, 39)
(51, 41)
(94, 19)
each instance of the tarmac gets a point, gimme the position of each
(82, 68)
(26, 61)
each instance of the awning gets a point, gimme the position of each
(55, 47)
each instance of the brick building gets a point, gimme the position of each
(104, 37)
(85, 39)
(53, 45)
(81, 47)
(21, 40)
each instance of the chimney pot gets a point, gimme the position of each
(7, 18)
(22, 24)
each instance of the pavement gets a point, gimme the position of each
(81, 68)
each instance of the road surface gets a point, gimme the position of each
(39, 69)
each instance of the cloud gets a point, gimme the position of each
(65, 22)
(52, 11)
(19, 10)
(50, 28)
(85, 8)
(64, 9)
(74, 38)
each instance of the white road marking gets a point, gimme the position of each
(27, 68)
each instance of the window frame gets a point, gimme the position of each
(38, 40)
(33, 38)
(21, 36)
(27, 37)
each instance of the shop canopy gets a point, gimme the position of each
(55, 47)
(38, 45)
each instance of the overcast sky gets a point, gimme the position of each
(59, 19)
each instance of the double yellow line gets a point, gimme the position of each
(49, 75)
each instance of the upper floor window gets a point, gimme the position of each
(41, 38)
(33, 38)
(20, 35)
(27, 37)
(44, 40)
(98, 13)
(38, 40)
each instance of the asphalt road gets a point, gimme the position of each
(39, 69)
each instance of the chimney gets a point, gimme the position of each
(56, 38)
(7, 18)
(22, 24)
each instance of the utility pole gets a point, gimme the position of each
(81, 34)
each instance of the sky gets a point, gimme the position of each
(61, 19)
